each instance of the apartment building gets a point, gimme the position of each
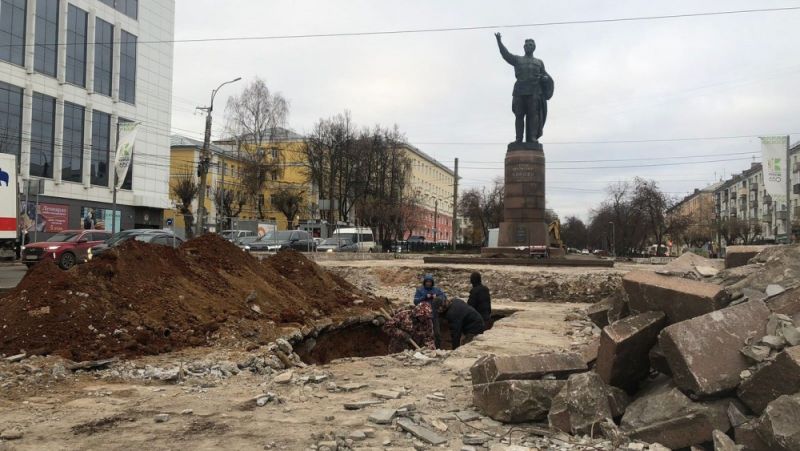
(432, 183)
(70, 71)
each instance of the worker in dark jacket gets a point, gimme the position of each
(480, 299)
(463, 320)
(431, 294)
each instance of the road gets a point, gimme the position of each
(10, 275)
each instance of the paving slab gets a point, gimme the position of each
(420, 432)
(704, 353)
(680, 299)
(622, 360)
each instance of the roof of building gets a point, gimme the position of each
(277, 135)
(430, 159)
(184, 141)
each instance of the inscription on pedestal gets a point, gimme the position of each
(521, 173)
(521, 235)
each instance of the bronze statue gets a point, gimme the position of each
(533, 89)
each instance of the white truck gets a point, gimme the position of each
(9, 204)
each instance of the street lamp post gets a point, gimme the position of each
(435, 220)
(205, 160)
(613, 239)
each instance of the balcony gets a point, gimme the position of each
(781, 215)
(753, 204)
(796, 212)
(767, 217)
(742, 192)
(796, 188)
(796, 166)
(733, 212)
(767, 200)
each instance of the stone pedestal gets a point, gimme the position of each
(524, 221)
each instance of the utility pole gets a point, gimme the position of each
(435, 219)
(454, 234)
(205, 161)
(788, 191)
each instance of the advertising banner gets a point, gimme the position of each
(773, 154)
(99, 219)
(49, 218)
(125, 142)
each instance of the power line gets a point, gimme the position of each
(623, 141)
(445, 29)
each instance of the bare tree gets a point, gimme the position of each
(574, 232)
(290, 201)
(484, 208)
(256, 120)
(185, 188)
(229, 204)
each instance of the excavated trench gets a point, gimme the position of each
(361, 340)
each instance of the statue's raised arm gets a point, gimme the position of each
(504, 51)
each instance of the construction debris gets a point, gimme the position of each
(622, 360)
(525, 367)
(516, 401)
(779, 377)
(584, 403)
(736, 256)
(680, 299)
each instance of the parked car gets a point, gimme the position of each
(152, 236)
(67, 248)
(299, 240)
(416, 239)
(361, 236)
(235, 235)
(337, 245)
(245, 242)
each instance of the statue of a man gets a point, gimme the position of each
(533, 89)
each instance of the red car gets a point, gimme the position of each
(66, 248)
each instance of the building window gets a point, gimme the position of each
(101, 147)
(128, 182)
(12, 31)
(103, 57)
(128, 7)
(45, 56)
(76, 46)
(42, 125)
(127, 68)
(10, 118)
(274, 154)
(72, 143)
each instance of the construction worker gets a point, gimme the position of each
(464, 321)
(431, 294)
(414, 324)
(480, 299)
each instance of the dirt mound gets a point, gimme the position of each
(144, 299)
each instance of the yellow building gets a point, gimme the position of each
(228, 163)
(432, 182)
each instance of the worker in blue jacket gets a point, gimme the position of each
(429, 292)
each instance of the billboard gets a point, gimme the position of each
(47, 218)
(8, 196)
(99, 219)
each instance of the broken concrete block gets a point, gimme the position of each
(585, 402)
(663, 414)
(382, 416)
(756, 353)
(516, 401)
(747, 437)
(776, 378)
(420, 432)
(736, 256)
(589, 351)
(786, 303)
(783, 326)
(736, 414)
(598, 312)
(525, 367)
(680, 299)
(704, 353)
(622, 360)
(778, 426)
(657, 360)
(722, 442)
(706, 271)
(774, 290)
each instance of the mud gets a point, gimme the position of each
(142, 299)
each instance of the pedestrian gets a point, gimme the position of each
(414, 323)
(480, 299)
(464, 321)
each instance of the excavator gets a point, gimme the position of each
(557, 249)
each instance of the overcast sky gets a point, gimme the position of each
(715, 76)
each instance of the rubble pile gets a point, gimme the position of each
(141, 299)
(694, 355)
(589, 286)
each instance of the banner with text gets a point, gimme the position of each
(125, 142)
(773, 155)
